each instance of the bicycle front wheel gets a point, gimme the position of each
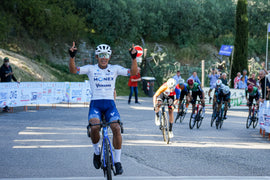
(255, 122)
(165, 128)
(183, 113)
(214, 115)
(249, 121)
(199, 120)
(221, 118)
(192, 122)
(108, 160)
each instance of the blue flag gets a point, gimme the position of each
(268, 27)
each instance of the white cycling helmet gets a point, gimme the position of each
(103, 48)
(181, 81)
(171, 83)
(218, 82)
(226, 90)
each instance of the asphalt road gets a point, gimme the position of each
(51, 143)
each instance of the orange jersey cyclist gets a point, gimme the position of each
(170, 92)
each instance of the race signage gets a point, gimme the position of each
(225, 50)
(140, 50)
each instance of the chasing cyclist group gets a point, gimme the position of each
(174, 93)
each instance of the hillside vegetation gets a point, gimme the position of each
(175, 32)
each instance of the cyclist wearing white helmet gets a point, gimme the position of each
(102, 77)
(223, 94)
(218, 86)
(166, 92)
(213, 76)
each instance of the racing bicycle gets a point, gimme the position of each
(182, 112)
(164, 122)
(214, 114)
(198, 116)
(107, 159)
(254, 116)
(219, 121)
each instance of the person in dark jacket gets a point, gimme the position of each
(6, 75)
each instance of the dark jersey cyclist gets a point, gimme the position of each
(223, 94)
(196, 90)
(218, 86)
(167, 91)
(253, 93)
(184, 92)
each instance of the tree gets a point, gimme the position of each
(241, 39)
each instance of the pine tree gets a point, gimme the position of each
(240, 54)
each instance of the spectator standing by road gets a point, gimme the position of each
(177, 77)
(245, 75)
(224, 79)
(213, 76)
(252, 80)
(264, 80)
(236, 80)
(195, 78)
(242, 84)
(133, 84)
(6, 75)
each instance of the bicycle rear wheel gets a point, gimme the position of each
(108, 160)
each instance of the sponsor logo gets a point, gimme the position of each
(103, 85)
(103, 79)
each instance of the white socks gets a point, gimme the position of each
(117, 155)
(96, 149)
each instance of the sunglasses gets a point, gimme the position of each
(104, 55)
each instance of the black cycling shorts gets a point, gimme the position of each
(170, 99)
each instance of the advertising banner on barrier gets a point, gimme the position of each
(14, 94)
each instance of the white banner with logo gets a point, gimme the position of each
(238, 96)
(21, 94)
(264, 116)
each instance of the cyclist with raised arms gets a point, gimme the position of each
(253, 93)
(102, 77)
(196, 90)
(223, 94)
(167, 91)
(184, 92)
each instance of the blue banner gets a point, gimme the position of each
(225, 50)
(268, 27)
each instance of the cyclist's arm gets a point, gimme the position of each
(159, 91)
(72, 67)
(134, 66)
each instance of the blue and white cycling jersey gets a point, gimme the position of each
(102, 81)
